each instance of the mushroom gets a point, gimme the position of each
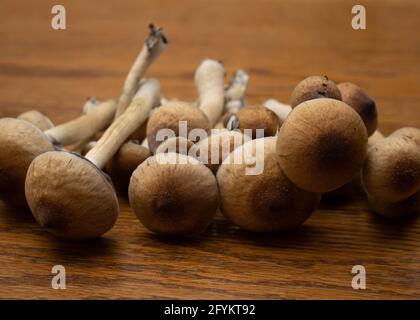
(70, 195)
(391, 171)
(411, 205)
(179, 145)
(266, 202)
(254, 118)
(37, 118)
(322, 145)
(21, 142)
(215, 148)
(124, 162)
(359, 100)
(153, 46)
(209, 79)
(174, 194)
(314, 87)
(409, 132)
(282, 110)
(374, 138)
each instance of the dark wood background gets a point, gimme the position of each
(278, 43)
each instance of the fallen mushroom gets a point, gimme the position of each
(37, 118)
(322, 145)
(69, 195)
(391, 171)
(21, 142)
(153, 46)
(268, 202)
(359, 100)
(314, 87)
(174, 194)
(209, 79)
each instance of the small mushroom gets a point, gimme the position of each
(322, 145)
(124, 162)
(252, 118)
(209, 79)
(174, 194)
(179, 145)
(314, 87)
(391, 171)
(21, 142)
(37, 118)
(411, 205)
(409, 132)
(70, 195)
(218, 146)
(359, 100)
(267, 202)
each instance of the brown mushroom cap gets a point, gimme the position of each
(125, 161)
(409, 132)
(20, 143)
(216, 147)
(70, 196)
(359, 100)
(37, 118)
(168, 117)
(267, 202)
(175, 144)
(322, 145)
(258, 117)
(411, 205)
(174, 199)
(314, 87)
(391, 171)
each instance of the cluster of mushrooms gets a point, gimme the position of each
(326, 139)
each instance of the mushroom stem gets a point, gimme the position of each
(85, 126)
(235, 94)
(209, 79)
(281, 109)
(126, 124)
(153, 46)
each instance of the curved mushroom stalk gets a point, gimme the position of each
(153, 46)
(70, 195)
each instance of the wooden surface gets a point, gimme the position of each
(278, 43)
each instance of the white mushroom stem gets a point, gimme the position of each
(152, 48)
(235, 94)
(132, 118)
(209, 79)
(84, 126)
(282, 110)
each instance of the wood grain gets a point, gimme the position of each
(278, 43)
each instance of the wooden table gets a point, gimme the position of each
(278, 43)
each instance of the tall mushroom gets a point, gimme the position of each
(70, 195)
(266, 202)
(322, 145)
